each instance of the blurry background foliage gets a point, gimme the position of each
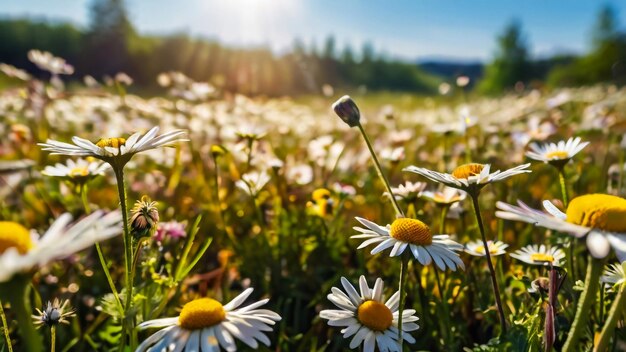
(304, 69)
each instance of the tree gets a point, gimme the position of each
(604, 63)
(108, 39)
(511, 63)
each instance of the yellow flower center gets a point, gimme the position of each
(541, 257)
(492, 249)
(111, 142)
(375, 315)
(79, 172)
(599, 211)
(467, 170)
(14, 235)
(411, 231)
(201, 313)
(559, 154)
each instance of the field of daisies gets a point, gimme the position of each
(199, 220)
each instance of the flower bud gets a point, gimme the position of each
(144, 218)
(347, 110)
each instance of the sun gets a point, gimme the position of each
(252, 22)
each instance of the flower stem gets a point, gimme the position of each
(379, 169)
(128, 252)
(563, 186)
(594, 269)
(17, 295)
(617, 309)
(103, 262)
(442, 223)
(403, 271)
(53, 338)
(5, 328)
(492, 272)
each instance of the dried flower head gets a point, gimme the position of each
(53, 313)
(144, 217)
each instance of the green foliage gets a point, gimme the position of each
(605, 63)
(511, 64)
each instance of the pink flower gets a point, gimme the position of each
(173, 229)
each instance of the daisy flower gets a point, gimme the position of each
(447, 196)
(79, 171)
(540, 255)
(112, 149)
(597, 216)
(365, 316)
(205, 324)
(412, 234)
(614, 275)
(469, 177)
(253, 182)
(477, 249)
(556, 153)
(21, 251)
(408, 191)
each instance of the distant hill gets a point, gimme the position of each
(449, 70)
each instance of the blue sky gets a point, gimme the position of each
(408, 29)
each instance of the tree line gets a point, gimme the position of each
(110, 44)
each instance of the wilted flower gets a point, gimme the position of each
(541, 285)
(347, 110)
(144, 217)
(53, 313)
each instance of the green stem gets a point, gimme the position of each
(594, 270)
(442, 223)
(103, 262)
(17, 295)
(492, 272)
(128, 252)
(5, 327)
(563, 186)
(617, 309)
(403, 271)
(444, 303)
(379, 169)
(53, 338)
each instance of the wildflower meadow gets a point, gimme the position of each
(193, 217)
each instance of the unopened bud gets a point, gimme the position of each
(347, 110)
